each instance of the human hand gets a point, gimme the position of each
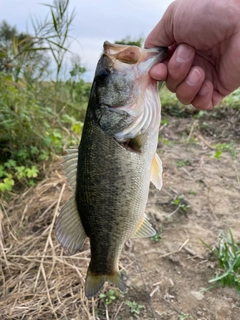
(204, 50)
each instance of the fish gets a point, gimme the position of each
(111, 170)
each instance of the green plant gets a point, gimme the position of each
(134, 307)
(182, 163)
(224, 147)
(233, 99)
(184, 316)
(192, 192)
(165, 121)
(228, 256)
(157, 237)
(181, 203)
(109, 296)
(10, 172)
(131, 41)
(38, 119)
(200, 114)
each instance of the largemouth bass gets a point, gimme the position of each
(111, 170)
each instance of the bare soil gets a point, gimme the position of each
(38, 280)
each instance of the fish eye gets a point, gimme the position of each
(102, 75)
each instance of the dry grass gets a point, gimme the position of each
(37, 281)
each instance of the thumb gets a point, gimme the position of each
(162, 35)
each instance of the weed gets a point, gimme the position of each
(192, 192)
(168, 142)
(157, 237)
(134, 307)
(228, 255)
(184, 316)
(224, 147)
(200, 114)
(10, 172)
(165, 122)
(232, 100)
(181, 203)
(182, 163)
(204, 125)
(109, 296)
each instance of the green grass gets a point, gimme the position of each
(228, 255)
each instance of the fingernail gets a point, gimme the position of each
(204, 89)
(183, 53)
(193, 77)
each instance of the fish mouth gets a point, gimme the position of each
(133, 54)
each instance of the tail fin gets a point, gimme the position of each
(94, 283)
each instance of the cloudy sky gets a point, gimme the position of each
(95, 22)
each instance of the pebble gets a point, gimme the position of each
(198, 295)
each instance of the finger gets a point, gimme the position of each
(207, 97)
(189, 88)
(179, 66)
(159, 72)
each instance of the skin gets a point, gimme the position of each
(203, 38)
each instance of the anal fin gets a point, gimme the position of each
(145, 229)
(156, 172)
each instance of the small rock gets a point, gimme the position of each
(198, 295)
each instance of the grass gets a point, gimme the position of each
(228, 255)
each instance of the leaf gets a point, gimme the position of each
(6, 185)
(54, 21)
(2, 171)
(11, 163)
(32, 172)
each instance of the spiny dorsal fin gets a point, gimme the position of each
(145, 229)
(156, 172)
(69, 229)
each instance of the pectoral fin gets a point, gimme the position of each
(156, 172)
(145, 229)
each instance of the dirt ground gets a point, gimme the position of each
(39, 281)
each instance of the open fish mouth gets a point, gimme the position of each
(127, 68)
(133, 54)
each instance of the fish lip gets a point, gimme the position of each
(138, 55)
